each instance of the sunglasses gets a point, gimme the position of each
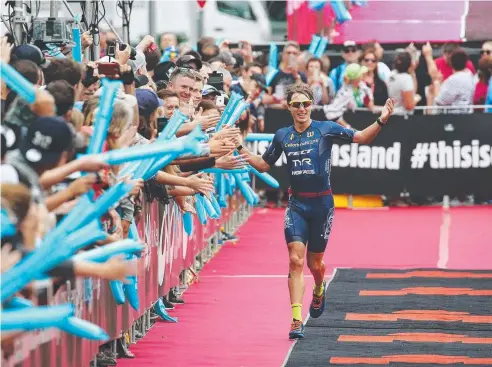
(350, 49)
(485, 52)
(369, 60)
(304, 104)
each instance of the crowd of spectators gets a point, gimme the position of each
(41, 178)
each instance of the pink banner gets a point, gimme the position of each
(170, 251)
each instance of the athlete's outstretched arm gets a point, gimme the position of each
(255, 160)
(268, 159)
(367, 135)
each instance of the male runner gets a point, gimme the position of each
(309, 215)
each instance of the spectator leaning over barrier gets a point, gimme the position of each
(350, 54)
(401, 85)
(181, 82)
(196, 92)
(458, 89)
(321, 85)
(171, 104)
(288, 73)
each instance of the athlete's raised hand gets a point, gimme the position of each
(387, 111)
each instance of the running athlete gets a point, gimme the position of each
(309, 214)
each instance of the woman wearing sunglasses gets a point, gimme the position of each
(309, 215)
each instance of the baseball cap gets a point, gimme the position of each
(210, 90)
(353, 71)
(141, 80)
(260, 79)
(163, 70)
(46, 139)
(147, 101)
(29, 52)
(349, 46)
(185, 60)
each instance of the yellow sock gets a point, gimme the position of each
(297, 311)
(318, 289)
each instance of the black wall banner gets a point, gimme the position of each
(423, 155)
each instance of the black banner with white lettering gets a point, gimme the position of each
(423, 155)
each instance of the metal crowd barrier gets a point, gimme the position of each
(171, 258)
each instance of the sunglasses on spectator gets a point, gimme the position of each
(485, 52)
(369, 60)
(304, 104)
(350, 49)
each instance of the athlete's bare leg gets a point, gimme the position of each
(296, 271)
(317, 267)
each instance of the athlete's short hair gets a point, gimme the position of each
(298, 88)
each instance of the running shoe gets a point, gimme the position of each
(318, 304)
(296, 330)
(227, 237)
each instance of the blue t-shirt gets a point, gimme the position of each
(308, 153)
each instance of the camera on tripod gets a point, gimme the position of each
(111, 50)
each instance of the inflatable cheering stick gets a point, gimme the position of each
(314, 43)
(117, 291)
(103, 116)
(131, 289)
(188, 223)
(228, 110)
(104, 253)
(33, 318)
(16, 82)
(321, 47)
(160, 309)
(342, 15)
(259, 137)
(71, 325)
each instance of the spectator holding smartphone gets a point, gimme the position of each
(322, 86)
(288, 73)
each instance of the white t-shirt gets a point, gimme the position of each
(397, 84)
(457, 90)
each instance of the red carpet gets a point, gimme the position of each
(239, 314)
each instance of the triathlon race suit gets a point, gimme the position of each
(309, 214)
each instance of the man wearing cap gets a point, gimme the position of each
(309, 216)
(189, 61)
(350, 54)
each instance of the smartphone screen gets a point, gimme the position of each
(216, 80)
(111, 50)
